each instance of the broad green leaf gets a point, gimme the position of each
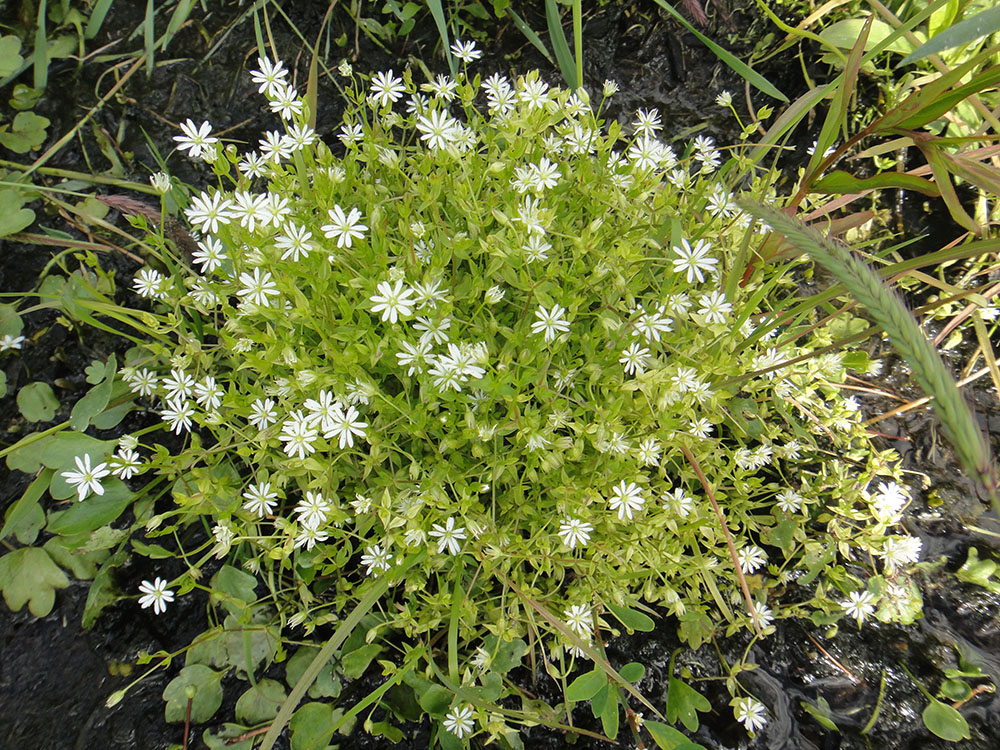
(669, 738)
(59, 451)
(586, 686)
(840, 182)
(633, 671)
(93, 401)
(94, 511)
(844, 34)
(37, 402)
(234, 584)
(10, 322)
(610, 714)
(224, 738)
(945, 722)
(310, 726)
(25, 517)
(261, 702)
(979, 572)
(28, 575)
(781, 535)
(505, 654)
(354, 664)
(82, 564)
(982, 24)
(632, 619)
(327, 684)
(13, 216)
(684, 703)
(26, 133)
(10, 55)
(207, 685)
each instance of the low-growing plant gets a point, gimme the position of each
(474, 385)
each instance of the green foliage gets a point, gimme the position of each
(945, 722)
(684, 703)
(26, 133)
(198, 686)
(28, 576)
(37, 402)
(980, 572)
(13, 216)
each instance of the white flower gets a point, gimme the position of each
(294, 242)
(275, 146)
(647, 122)
(413, 356)
(160, 182)
(750, 713)
(392, 300)
(448, 536)
(860, 605)
(286, 102)
(635, 359)
(308, 537)
(678, 501)
(580, 620)
(142, 381)
(345, 228)
(551, 322)
(344, 426)
(714, 307)
(648, 452)
(8, 342)
(86, 479)
(298, 435)
(387, 89)
(197, 140)
(789, 501)
(125, 463)
(610, 87)
(207, 212)
(376, 559)
(626, 499)
(313, 510)
(262, 414)
(494, 294)
(208, 393)
(178, 415)
(155, 595)
(575, 532)
(694, 260)
(751, 558)
(459, 721)
(260, 499)
(889, 502)
(437, 128)
(270, 76)
(442, 87)
(725, 99)
(257, 287)
(764, 614)
(210, 254)
(900, 550)
(149, 283)
(465, 51)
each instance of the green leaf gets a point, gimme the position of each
(37, 402)
(354, 664)
(28, 575)
(781, 535)
(327, 684)
(840, 182)
(79, 561)
(27, 133)
(102, 592)
(224, 738)
(13, 216)
(25, 517)
(96, 399)
(505, 654)
(945, 722)
(844, 34)
(610, 715)
(684, 703)
(979, 572)
(10, 55)
(633, 671)
(586, 686)
(207, 688)
(821, 712)
(233, 583)
(982, 24)
(632, 619)
(59, 451)
(310, 726)
(669, 738)
(261, 702)
(94, 511)
(955, 690)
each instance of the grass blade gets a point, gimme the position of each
(97, 16)
(742, 69)
(149, 36)
(891, 315)
(530, 35)
(980, 25)
(567, 65)
(177, 19)
(442, 25)
(41, 55)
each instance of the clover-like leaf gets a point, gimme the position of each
(27, 133)
(684, 703)
(10, 55)
(28, 575)
(37, 402)
(205, 694)
(261, 702)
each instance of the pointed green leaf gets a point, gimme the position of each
(632, 619)
(945, 722)
(684, 703)
(969, 30)
(586, 686)
(669, 738)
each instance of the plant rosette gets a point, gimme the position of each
(487, 331)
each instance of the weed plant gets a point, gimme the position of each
(474, 386)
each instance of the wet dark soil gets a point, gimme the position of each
(55, 677)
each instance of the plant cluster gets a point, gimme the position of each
(487, 376)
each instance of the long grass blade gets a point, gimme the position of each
(891, 315)
(437, 11)
(530, 35)
(980, 25)
(41, 56)
(97, 15)
(743, 70)
(149, 36)
(177, 20)
(567, 65)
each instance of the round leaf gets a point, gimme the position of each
(207, 694)
(945, 722)
(37, 402)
